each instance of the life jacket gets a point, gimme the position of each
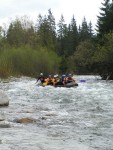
(48, 81)
(55, 80)
(69, 79)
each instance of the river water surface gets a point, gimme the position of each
(78, 118)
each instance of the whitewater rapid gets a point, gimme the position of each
(79, 118)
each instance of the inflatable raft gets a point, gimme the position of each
(68, 85)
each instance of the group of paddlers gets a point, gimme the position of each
(55, 80)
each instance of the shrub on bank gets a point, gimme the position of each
(27, 61)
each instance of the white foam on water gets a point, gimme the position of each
(78, 118)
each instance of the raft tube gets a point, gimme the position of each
(68, 85)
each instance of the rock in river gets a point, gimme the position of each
(4, 100)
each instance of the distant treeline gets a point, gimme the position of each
(28, 49)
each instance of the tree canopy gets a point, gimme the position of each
(27, 48)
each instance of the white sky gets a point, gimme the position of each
(9, 9)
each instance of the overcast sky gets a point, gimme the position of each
(9, 9)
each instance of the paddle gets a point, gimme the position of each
(82, 80)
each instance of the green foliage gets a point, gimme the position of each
(103, 57)
(85, 31)
(29, 62)
(82, 58)
(46, 31)
(15, 34)
(26, 49)
(63, 65)
(61, 33)
(105, 20)
(0, 33)
(67, 37)
(5, 65)
(104, 54)
(21, 32)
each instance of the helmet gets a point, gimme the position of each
(63, 76)
(69, 75)
(41, 74)
(49, 76)
(56, 75)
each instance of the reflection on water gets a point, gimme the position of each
(78, 118)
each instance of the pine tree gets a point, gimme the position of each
(15, 34)
(71, 38)
(105, 20)
(46, 31)
(52, 29)
(90, 27)
(1, 32)
(61, 34)
(21, 32)
(83, 34)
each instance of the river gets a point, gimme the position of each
(79, 118)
